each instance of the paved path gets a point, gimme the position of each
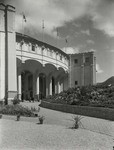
(64, 119)
(55, 133)
(31, 136)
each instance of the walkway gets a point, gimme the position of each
(55, 133)
(64, 119)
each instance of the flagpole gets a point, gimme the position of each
(22, 42)
(57, 38)
(22, 39)
(70, 70)
(43, 30)
(66, 44)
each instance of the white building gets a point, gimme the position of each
(32, 69)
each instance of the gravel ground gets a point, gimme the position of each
(55, 133)
(30, 136)
(64, 119)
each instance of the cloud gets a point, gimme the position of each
(86, 32)
(103, 16)
(92, 50)
(57, 12)
(54, 13)
(98, 69)
(70, 50)
(76, 25)
(112, 50)
(90, 42)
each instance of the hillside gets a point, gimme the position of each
(109, 81)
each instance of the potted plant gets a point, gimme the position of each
(0, 116)
(41, 119)
(77, 121)
(18, 117)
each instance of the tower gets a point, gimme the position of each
(82, 69)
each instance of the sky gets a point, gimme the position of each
(86, 25)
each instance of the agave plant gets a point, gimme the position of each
(18, 117)
(41, 119)
(77, 121)
(0, 116)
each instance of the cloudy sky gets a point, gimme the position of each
(86, 24)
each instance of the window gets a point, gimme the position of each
(33, 47)
(76, 82)
(75, 61)
(87, 59)
(60, 57)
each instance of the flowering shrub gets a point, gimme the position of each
(101, 96)
(16, 101)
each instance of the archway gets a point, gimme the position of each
(27, 85)
(53, 85)
(42, 85)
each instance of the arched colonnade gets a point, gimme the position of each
(35, 81)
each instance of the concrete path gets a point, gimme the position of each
(60, 118)
(55, 133)
(23, 135)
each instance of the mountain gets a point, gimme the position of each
(109, 81)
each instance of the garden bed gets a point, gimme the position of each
(98, 112)
(95, 96)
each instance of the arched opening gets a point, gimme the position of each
(42, 86)
(53, 85)
(27, 85)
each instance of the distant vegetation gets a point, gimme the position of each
(108, 82)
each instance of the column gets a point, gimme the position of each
(56, 91)
(50, 86)
(61, 86)
(19, 87)
(2, 57)
(11, 67)
(47, 86)
(26, 92)
(34, 85)
(37, 87)
(58, 85)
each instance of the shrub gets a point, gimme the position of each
(15, 110)
(16, 101)
(33, 109)
(98, 95)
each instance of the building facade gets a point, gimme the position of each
(31, 69)
(82, 69)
